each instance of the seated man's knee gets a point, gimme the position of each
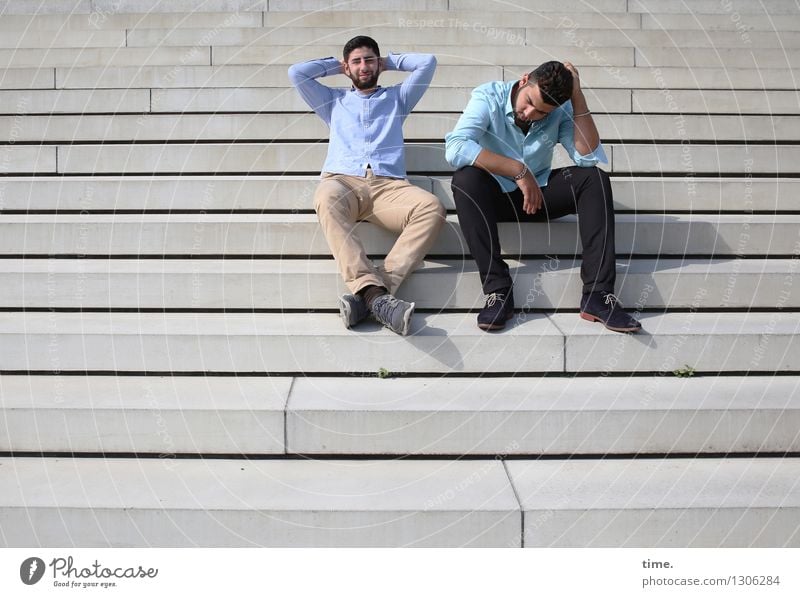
(467, 185)
(330, 197)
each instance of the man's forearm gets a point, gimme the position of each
(586, 136)
(498, 164)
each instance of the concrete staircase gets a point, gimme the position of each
(172, 368)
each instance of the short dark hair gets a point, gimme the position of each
(360, 41)
(555, 82)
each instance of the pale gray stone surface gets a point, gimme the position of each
(64, 39)
(269, 342)
(273, 75)
(543, 415)
(718, 101)
(110, 20)
(293, 192)
(699, 159)
(54, 101)
(73, 57)
(705, 342)
(717, 57)
(390, 38)
(476, 54)
(743, 23)
(531, 8)
(248, 99)
(27, 78)
(470, 20)
(419, 126)
(27, 159)
(667, 78)
(237, 503)
(742, 7)
(37, 7)
(659, 503)
(438, 284)
(289, 234)
(157, 415)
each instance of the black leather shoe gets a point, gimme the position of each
(498, 309)
(605, 308)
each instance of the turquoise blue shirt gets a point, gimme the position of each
(488, 123)
(365, 130)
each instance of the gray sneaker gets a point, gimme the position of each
(393, 313)
(352, 309)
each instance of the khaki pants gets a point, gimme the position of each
(395, 204)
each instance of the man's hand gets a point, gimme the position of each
(576, 79)
(531, 194)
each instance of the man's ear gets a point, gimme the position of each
(345, 67)
(524, 79)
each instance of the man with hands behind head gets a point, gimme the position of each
(503, 147)
(364, 176)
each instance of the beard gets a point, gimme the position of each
(369, 83)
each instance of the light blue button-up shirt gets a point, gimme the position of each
(365, 129)
(488, 123)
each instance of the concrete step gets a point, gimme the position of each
(104, 20)
(73, 101)
(168, 416)
(236, 76)
(419, 126)
(314, 284)
(659, 503)
(689, 193)
(252, 99)
(716, 102)
(289, 192)
(713, 57)
(27, 159)
(408, 19)
(280, 234)
(239, 503)
(391, 35)
(468, 54)
(226, 503)
(274, 75)
(729, 21)
(155, 415)
(553, 416)
(286, 99)
(421, 158)
(29, 39)
(703, 7)
(27, 78)
(72, 57)
(668, 78)
(453, 6)
(289, 343)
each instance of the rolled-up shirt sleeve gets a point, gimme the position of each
(319, 97)
(421, 66)
(462, 144)
(566, 136)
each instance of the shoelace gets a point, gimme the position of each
(611, 300)
(493, 298)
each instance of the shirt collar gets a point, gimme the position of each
(509, 93)
(357, 92)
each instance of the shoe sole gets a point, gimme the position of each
(590, 317)
(492, 327)
(407, 320)
(344, 313)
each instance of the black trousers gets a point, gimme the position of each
(481, 203)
